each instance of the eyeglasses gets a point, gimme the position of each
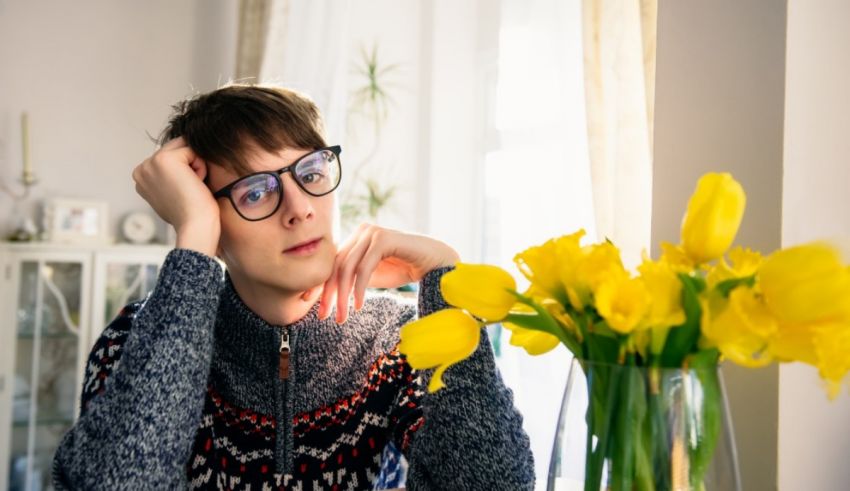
(258, 196)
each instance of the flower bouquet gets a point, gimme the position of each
(647, 343)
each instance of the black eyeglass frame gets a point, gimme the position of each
(225, 192)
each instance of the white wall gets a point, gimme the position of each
(814, 433)
(95, 76)
(719, 107)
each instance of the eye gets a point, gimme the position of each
(312, 177)
(256, 191)
(254, 195)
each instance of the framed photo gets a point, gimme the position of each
(73, 221)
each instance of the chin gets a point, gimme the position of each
(305, 276)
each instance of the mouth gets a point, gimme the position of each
(304, 247)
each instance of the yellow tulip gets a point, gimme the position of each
(739, 326)
(806, 283)
(539, 264)
(794, 343)
(481, 289)
(832, 345)
(675, 258)
(439, 340)
(714, 214)
(824, 344)
(534, 342)
(742, 263)
(665, 290)
(622, 302)
(599, 264)
(545, 265)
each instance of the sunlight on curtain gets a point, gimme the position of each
(537, 179)
(619, 58)
(307, 49)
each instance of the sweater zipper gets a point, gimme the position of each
(284, 435)
(283, 368)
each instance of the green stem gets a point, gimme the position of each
(595, 460)
(658, 433)
(623, 451)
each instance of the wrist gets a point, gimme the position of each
(198, 237)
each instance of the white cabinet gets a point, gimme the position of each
(54, 302)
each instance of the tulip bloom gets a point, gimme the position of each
(481, 289)
(534, 342)
(665, 289)
(622, 302)
(714, 214)
(739, 326)
(439, 340)
(806, 283)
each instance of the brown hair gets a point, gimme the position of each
(224, 126)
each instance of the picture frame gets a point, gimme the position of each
(76, 221)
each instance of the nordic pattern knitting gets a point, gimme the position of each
(352, 394)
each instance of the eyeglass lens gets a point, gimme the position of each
(258, 196)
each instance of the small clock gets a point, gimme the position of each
(138, 227)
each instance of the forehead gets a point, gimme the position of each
(261, 160)
(258, 160)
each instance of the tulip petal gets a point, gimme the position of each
(806, 283)
(481, 289)
(714, 214)
(439, 340)
(622, 302)
(534, 342)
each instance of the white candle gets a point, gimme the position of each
(25, 145)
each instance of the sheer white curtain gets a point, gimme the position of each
(537, 178)
(571, 149)
(619, 73)
(303, 45)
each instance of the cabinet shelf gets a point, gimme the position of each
(51, 335)
(45, 421)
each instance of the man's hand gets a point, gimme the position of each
(171, 180)
(380, 258)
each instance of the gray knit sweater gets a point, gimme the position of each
(191, 389)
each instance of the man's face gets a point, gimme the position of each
(259, 253)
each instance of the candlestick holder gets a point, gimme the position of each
(25, 227)
(28, 179)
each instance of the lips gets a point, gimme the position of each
(302, 244)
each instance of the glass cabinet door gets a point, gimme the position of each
(46, 368)
(125, 283)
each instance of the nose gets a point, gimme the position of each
(297, 205)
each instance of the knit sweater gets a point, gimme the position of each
(189, 388)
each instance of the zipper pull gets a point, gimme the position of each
(283, 371)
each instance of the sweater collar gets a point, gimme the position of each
(243, 337)
(241, 316)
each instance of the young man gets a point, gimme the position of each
(239, 379)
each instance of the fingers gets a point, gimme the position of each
(354, 262)
(199, 167)
(363, 274)
(328, 292)
(347, 271)
(175, 143)
(330, 287)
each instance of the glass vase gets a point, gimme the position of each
(624, 428)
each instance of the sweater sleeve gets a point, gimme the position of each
(144, 388)
(469, 434)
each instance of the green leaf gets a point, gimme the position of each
(711, 417)
(725, 287)
(681, 340)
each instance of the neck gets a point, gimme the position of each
(275, 306)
